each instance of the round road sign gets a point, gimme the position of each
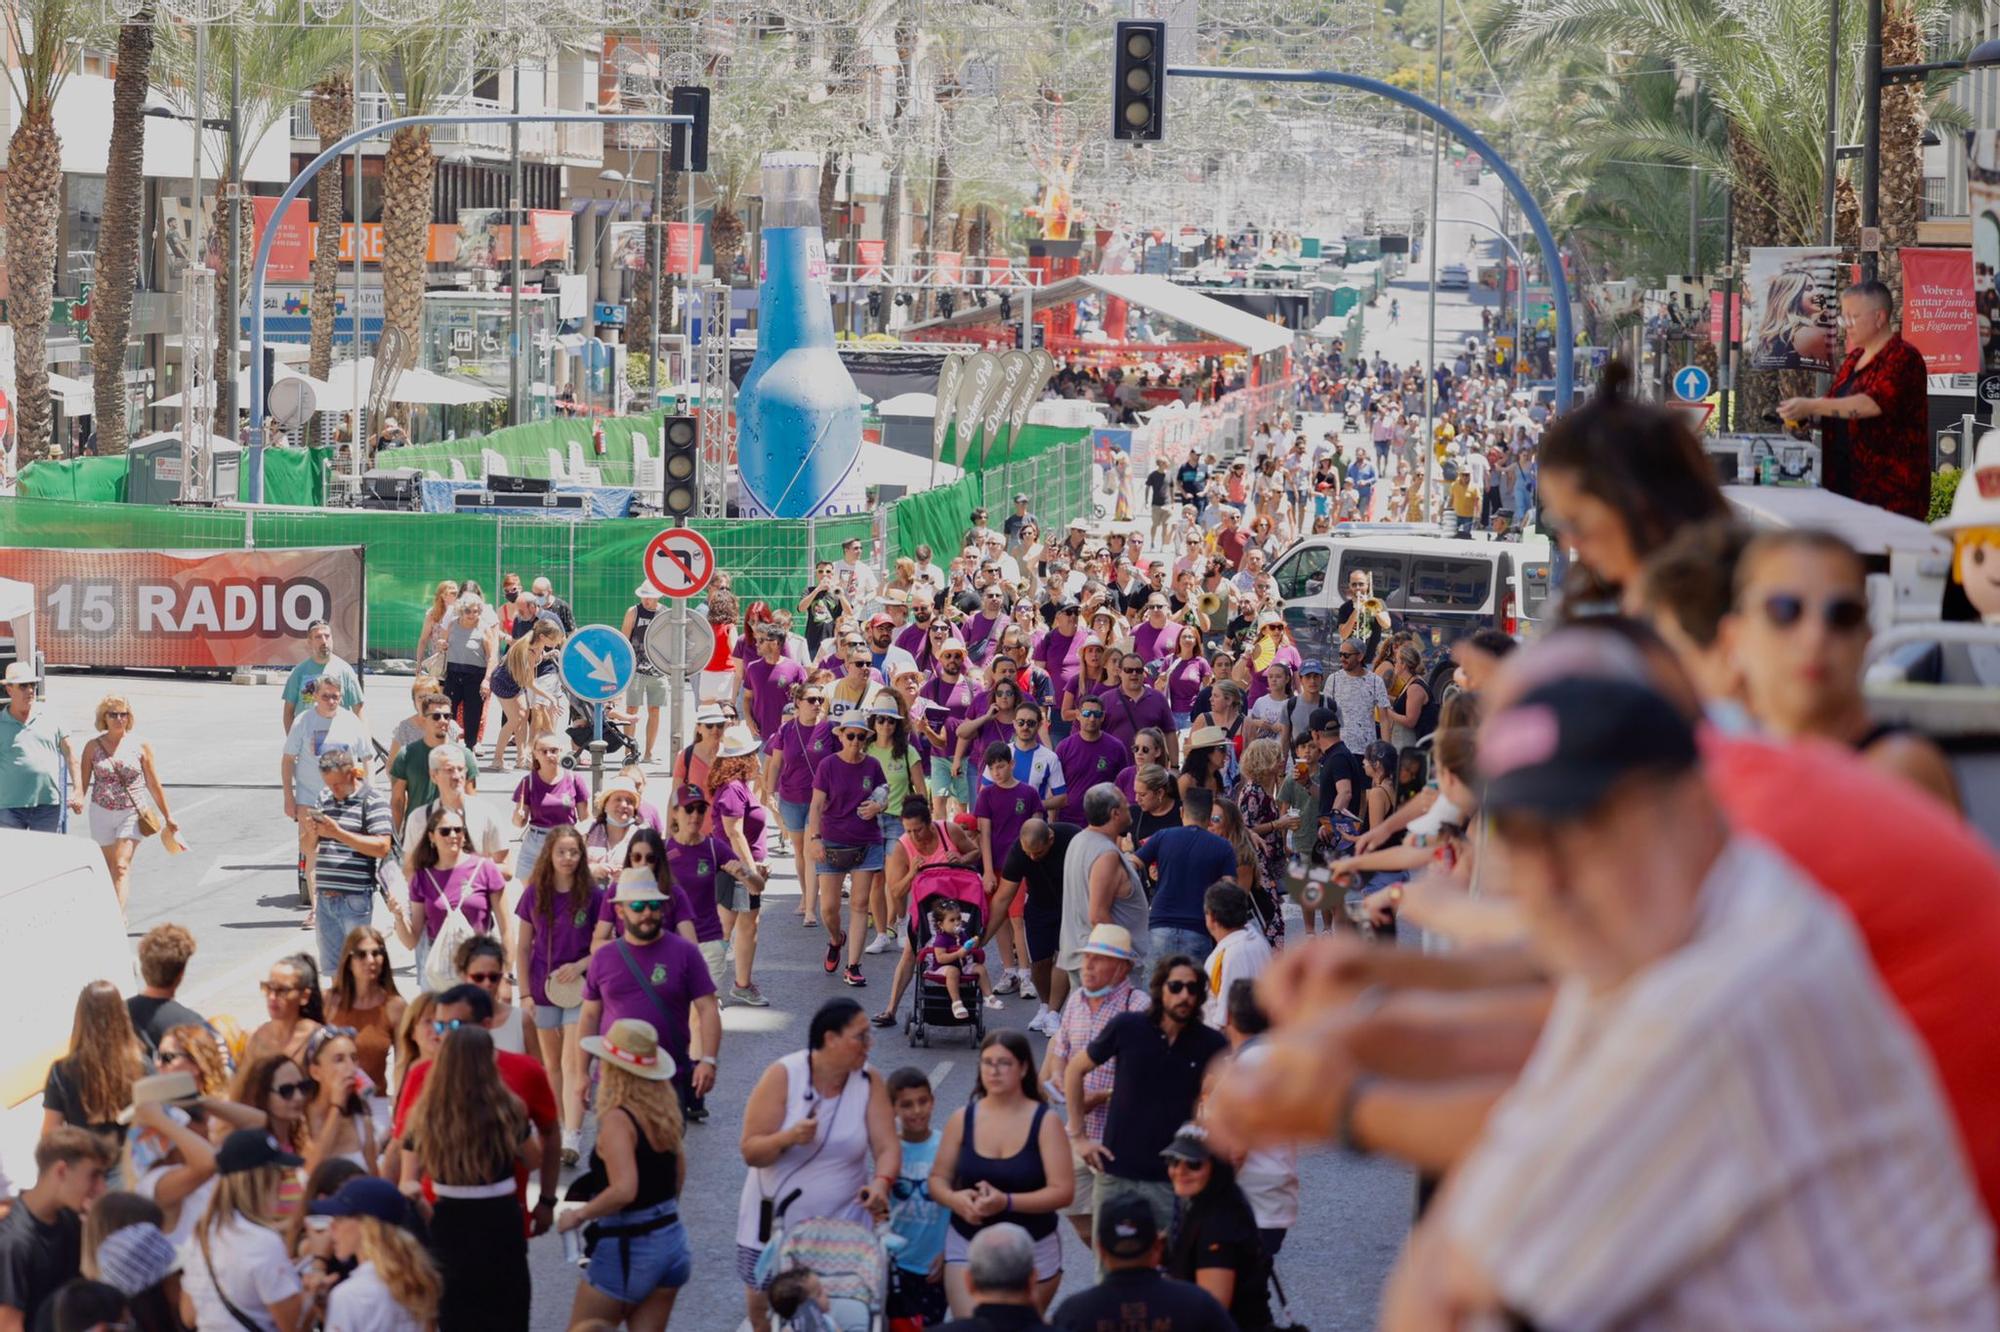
(671, 643)
(679, 562)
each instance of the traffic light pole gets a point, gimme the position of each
(1552, 259)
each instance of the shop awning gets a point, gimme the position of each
(1197, 311)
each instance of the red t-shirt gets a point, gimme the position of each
(1922, 888)
(524, 1077)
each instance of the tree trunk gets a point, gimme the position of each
(221, 364)
(892, 250)
(332, 118)
(1902, 192)
(34, 207)
(117, 269)
(726, 238)
(407, 171)
(934, 231)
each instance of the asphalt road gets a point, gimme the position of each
(217, 746)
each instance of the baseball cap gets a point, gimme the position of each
(1190, 1144)
(1324, 719)
(687, 793)
(139, 1257)
(880, 617)
(1558, 749)
(365, 1195)
(1313, 667)
(1020, 499)
(252, 1149)
(1125, 1227)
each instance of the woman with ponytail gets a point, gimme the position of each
(395, 1286)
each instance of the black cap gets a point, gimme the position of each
(1126, 1228)
(1324, 719)
(1561, 746)
(365, 1195)
(252, 1149)
(1190, 1144)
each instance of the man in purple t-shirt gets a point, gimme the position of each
(1090, 754)
(1132, 707)
(768, 682)
(1059, 654)
(654, 974)
(949, 693)
(982, 631)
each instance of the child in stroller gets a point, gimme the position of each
(935, 998)
(949, 957)
(615, 736)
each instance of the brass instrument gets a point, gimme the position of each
(1374, 610)
(1209, 603)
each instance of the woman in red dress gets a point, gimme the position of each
(1876, 418)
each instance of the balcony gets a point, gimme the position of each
(371, 109)
(1934, 196)
(570, 143)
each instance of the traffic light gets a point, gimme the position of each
(680, 455)
(687, 146)
(1139, 74)
(1030, 336)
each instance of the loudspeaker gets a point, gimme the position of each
(391, 488)
(519, 485)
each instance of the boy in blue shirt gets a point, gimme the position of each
(917, 1283)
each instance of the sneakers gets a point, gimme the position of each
(572, 1146)
(1045, 1022)
(748, 995)
(883, 941)
(1028, 990)
(960, 1011)
(696, 1113)
(995, 1001)
(1008, 983)
(832, 963)
(852, 976)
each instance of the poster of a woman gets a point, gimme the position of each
(1791, 306)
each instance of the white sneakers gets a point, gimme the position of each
(883, 941)
(1027, 985)
(1047, 1022)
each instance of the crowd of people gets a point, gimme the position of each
(1581, 932)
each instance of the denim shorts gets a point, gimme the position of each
(793, 813)
(876, 857)
(944, 784)
(628, 1268)
(550, 1018)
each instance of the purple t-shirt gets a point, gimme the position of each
(562, 936)
(551, 804)
(912, 638)
(734, 801)
(1085, 763)
(1154, 645)
(846, 785)
(1127, 783)
(1125, 716)
(474, 885)
(695, 869)
(1184, 681)
(1007, 807)
(982, 636)
(770, 689)
(957, 700)
(1058, 653)
(672, 969)
(801, 752)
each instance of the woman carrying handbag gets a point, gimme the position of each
(114, 762)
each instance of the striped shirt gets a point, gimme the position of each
(338, 867)
(1741, 1135)
(1080, 1025)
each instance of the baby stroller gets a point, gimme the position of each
(930, 1002)
(851, 1260)
(615, 737)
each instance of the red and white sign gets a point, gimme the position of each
(1694, 414)
(679, 561)
(6, 416)
(1938, 317)
(683, 246)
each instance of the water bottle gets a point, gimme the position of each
(798, 413)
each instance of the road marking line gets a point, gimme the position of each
(939, 1074)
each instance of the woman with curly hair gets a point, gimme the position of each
(467, 1132)
(193, 1049)
(90, 1085)
(1267, 824)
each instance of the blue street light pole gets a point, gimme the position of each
(1552, 259)
(255, 438)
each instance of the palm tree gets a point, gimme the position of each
(46, 36)
(332, 118)
(419, 67)
(117, 269)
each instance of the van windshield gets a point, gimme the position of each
(1303, 574)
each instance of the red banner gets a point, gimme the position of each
(190, 609)
(546, 241)
(868, 254)
(683, 246)
(1937, 310)
(949, 264)
(292, 250)
(1715, 317)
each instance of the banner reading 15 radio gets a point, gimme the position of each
(189, 608)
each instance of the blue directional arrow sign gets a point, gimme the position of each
(1691, 383)
(597, 663)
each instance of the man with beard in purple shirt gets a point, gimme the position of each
(1058, 656)
(982, 631)
(949, 693)
(1089, 752)
(768, 682)
(1132, 707)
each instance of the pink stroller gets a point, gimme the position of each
(930, 1002)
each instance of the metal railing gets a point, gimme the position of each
(582, 143)
(369, 108)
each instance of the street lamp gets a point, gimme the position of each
(1875, 77)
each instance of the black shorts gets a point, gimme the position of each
(1044, 932)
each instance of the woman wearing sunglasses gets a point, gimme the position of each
(117, 765)
(850, 791)
(445, 877)
(790, 759)
(362, 996)
(277, 1086)
(1797, 635)
(294, 1008)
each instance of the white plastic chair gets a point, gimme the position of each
(558, 469)
(457, 470)
(581, 472)
(645, 465)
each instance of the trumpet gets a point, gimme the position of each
(1209, 603)
(1373, 609)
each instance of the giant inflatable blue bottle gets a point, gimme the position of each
(798, 413)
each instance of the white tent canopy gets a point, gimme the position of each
(884, 466)
(908, 404)
(1197, 311)
(322, 390)
(412, 386)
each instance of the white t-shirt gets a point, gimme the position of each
(311, 734)
(192, 1206)
(1243, 954)
(487, 834)
(362, 1303)
(252, 1268)
(1269, 1176)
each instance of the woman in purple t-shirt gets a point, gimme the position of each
(741, 822)
(802, 742)
(842, 837)
(444, 875)
(546, 799)
(1183, 678)
(557, 914)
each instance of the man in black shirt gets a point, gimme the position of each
(163, 959)
(41, 1239)
(1193, 480)
(1340, 777)
(1133, 1293)
(1162, 1055)
(1018, 519)
(1034, 864)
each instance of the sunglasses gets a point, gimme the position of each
(120, 715)
(1090, 716)
(1182, 1163)
(445, 1026)
(1028, 722)
(449, 832)
(485, 977)
(1843, 615)
(306, 1089)
(1183, 987)
(428, 716)
(636, 858)
(1133, 670)
(369, 952)
(648, 907)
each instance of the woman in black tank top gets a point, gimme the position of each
(1017, 1169)
(639, 1254)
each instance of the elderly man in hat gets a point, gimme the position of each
(1107, 991)
(35, 754)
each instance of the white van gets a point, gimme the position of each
(1441, 587)
(57, 904)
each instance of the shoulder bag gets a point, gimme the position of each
(652, 995)
(150, 821)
